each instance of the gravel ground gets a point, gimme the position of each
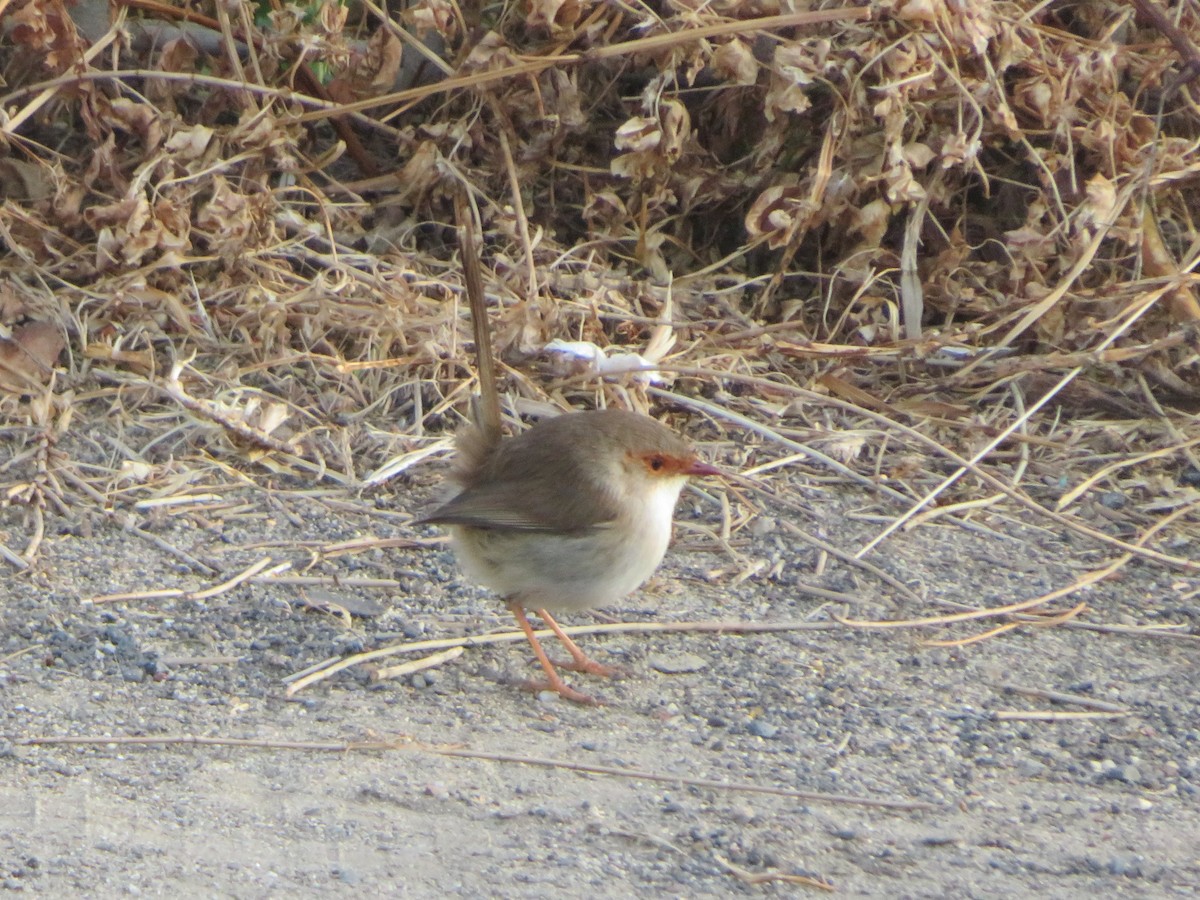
(1108, 806)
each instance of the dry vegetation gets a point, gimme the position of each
(915, 235)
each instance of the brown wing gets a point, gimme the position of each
(491, 508)
(521, 487)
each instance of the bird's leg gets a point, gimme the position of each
(553, 680)
(581, 662)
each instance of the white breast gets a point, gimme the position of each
(651, 532)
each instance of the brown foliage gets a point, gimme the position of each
(933, 202)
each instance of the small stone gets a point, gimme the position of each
(1126, 866)
(677, 663)
(762, 729)
(1031, 768)
(1129, 774)
(762, 526)
(939, 840)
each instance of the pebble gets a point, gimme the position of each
(939, 840)
(1129, 774)
(677, 663)
(762, 526)
(1031, 768)
(1126, 866)
(762, 729)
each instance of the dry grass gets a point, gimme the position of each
(943, 248)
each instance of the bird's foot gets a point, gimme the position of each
(580, 661)
(560, 687)
(553, 681)
(589, 666)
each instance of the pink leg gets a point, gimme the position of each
(581, 661)
(553, 680)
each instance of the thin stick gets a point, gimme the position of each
(12, 559)
(250, 573)
(1143, 305)
(1037, 621)
(849, 558)
(1058, 518)
(299, 681)
(1053, 715)
(627, 48)
(199, 660)
(229, 584)
(1060, 697)
(464, 753)
(416, 665)
(756, 878)
(10, 657)
(1022, 605)
(387, 584)
(1150, 631)
(749, 424)
(514, 183)
(123, 522)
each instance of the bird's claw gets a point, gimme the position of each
(562, 689)
(589, 666)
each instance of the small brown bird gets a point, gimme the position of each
(573, 513)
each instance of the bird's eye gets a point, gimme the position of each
(657, 463)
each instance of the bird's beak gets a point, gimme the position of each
(700, 467)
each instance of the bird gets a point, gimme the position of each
(573, 513)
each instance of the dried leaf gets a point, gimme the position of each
(555, 16)
(24, 181)
(27, 359)
(735, 62)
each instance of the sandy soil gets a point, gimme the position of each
(1106, 806)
